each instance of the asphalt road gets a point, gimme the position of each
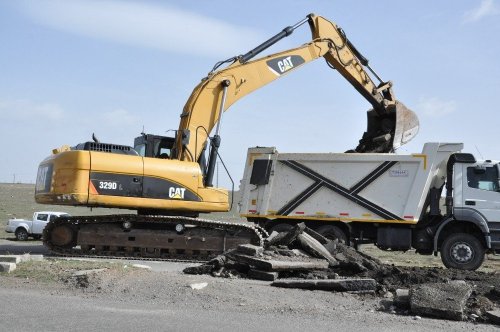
(13, 247)
(76, 314)
(25, 310)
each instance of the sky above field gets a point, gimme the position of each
(115, 68)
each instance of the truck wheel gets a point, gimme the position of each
(462, 251)
(333, 233)
(21, 234)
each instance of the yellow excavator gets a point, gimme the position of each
(169, 180)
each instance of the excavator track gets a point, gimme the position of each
(151, 237)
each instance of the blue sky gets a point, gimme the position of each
(71, 68)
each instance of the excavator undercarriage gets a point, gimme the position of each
(158, 237)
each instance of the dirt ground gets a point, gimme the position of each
(138, 288)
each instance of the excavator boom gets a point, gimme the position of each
(390, 123)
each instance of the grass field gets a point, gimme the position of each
(17, 201)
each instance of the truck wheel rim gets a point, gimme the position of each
(462, 252)
(22, 236)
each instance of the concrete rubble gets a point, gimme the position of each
(7, 267)
(335, 285)
(302, 258)
(442, 300)
(494, 316)
(87, 272)
(8, 263)
(284, 254)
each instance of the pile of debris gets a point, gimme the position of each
(302, 258)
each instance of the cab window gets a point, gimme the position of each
(162, 149)
(483, 178)
(42, 217)
(141, 149)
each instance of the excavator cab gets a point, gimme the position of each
(154, 146)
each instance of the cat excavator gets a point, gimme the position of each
(169, 180)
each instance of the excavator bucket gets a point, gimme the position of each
(387, 132)
(407, 125)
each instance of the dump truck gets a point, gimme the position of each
(394, 201)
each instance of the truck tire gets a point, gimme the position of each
(462, 251)
(333, 233)
(21, 234)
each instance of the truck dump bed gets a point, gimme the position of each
(348, 187)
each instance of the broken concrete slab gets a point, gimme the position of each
(271, 236)
(262, 275)
(282, 265)
(250, 249)
(318, 237)
(20, 258)
(7, 267)
(335, 285)
(442, 300)
(199, 286)
(87, 272)
(200, 269)
(286, 238)
(10, 259)
(494, 316)
(402, 298)
(315, 248)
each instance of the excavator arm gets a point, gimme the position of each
(222, 88)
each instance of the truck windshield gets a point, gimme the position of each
(484, 179)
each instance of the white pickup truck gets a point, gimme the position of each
(25, 228)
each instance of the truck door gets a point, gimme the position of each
(39, 222)
(481, 191)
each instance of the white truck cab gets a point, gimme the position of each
(23, 229)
